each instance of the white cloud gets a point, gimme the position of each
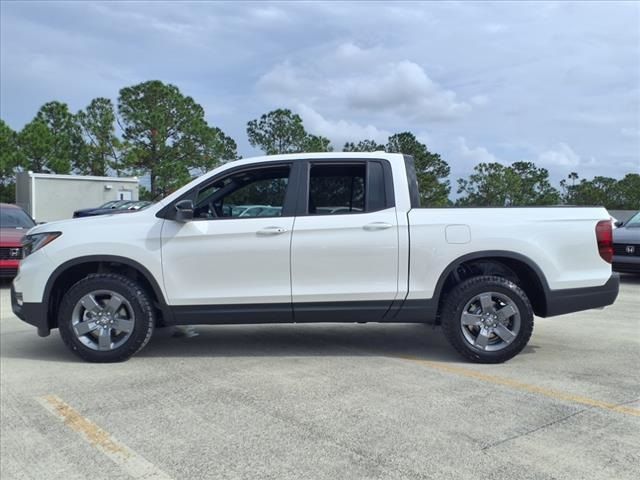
(364, 80)
(283, 80)
(403, 87)
(562, 156)
(474, 155)
(339, 131)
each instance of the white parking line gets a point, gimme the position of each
(132, 463)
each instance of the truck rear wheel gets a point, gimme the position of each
(488, 319)
(106, 318)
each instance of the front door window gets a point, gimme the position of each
(248, 194)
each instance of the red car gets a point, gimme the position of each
(14, 223)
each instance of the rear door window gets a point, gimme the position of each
(337, 189)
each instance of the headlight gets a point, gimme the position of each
(34, 242)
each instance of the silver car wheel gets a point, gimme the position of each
(103, 320)
(490, 321)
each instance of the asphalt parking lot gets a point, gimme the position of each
(327, 401)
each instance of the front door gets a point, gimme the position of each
(235, 252)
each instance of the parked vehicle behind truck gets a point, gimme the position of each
(14, 223)
(347, 241)
(626, 246)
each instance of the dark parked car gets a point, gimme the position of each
(121, 206)
(112, 205)
(14, 223)
(626, 246)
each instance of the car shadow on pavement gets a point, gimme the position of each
(304, 340)
(317, 340)
(400, 340)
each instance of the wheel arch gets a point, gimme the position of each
(73, 270)
(511, 265)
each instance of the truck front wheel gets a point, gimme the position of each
(106, 317)
(488, 319)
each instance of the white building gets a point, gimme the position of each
(48, 197)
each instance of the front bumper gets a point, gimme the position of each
(9, 268)
(571, 300)
(33, 313)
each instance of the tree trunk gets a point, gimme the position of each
(153, 183)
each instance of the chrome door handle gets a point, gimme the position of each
(272, 231)
(370, 227)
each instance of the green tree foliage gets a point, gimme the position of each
(606, 191)
(629, 191)
(144, 194)
(10, 160)
(279, 131)
(165, 135)
(282, 131)
(362, 146)
(66, 143)
(497, 185)
(567, 189)
(36, 143)
(598, 191)
(52, 141)
(534, 185)
(431, 169)
(488, 185)
(98, 126)
(212, 148)
(317, 143)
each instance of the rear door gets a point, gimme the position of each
(344, 250)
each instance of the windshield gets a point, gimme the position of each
(110, 204)
(633, 221)
(15, 218)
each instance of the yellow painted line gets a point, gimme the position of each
(132, 463)
(547, 392)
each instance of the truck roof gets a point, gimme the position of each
(322, 155)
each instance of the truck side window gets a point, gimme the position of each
(337, 189)
(253, 193)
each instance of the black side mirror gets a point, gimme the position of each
(619, 223)
(184, 211)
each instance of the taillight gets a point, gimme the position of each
(604, 236)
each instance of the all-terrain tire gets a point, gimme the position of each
(496, 288)
(136, 299)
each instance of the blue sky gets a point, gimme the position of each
(553, 83)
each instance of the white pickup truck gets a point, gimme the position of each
(344, 240)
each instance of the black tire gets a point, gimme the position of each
(491, 287)
(138, 302)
